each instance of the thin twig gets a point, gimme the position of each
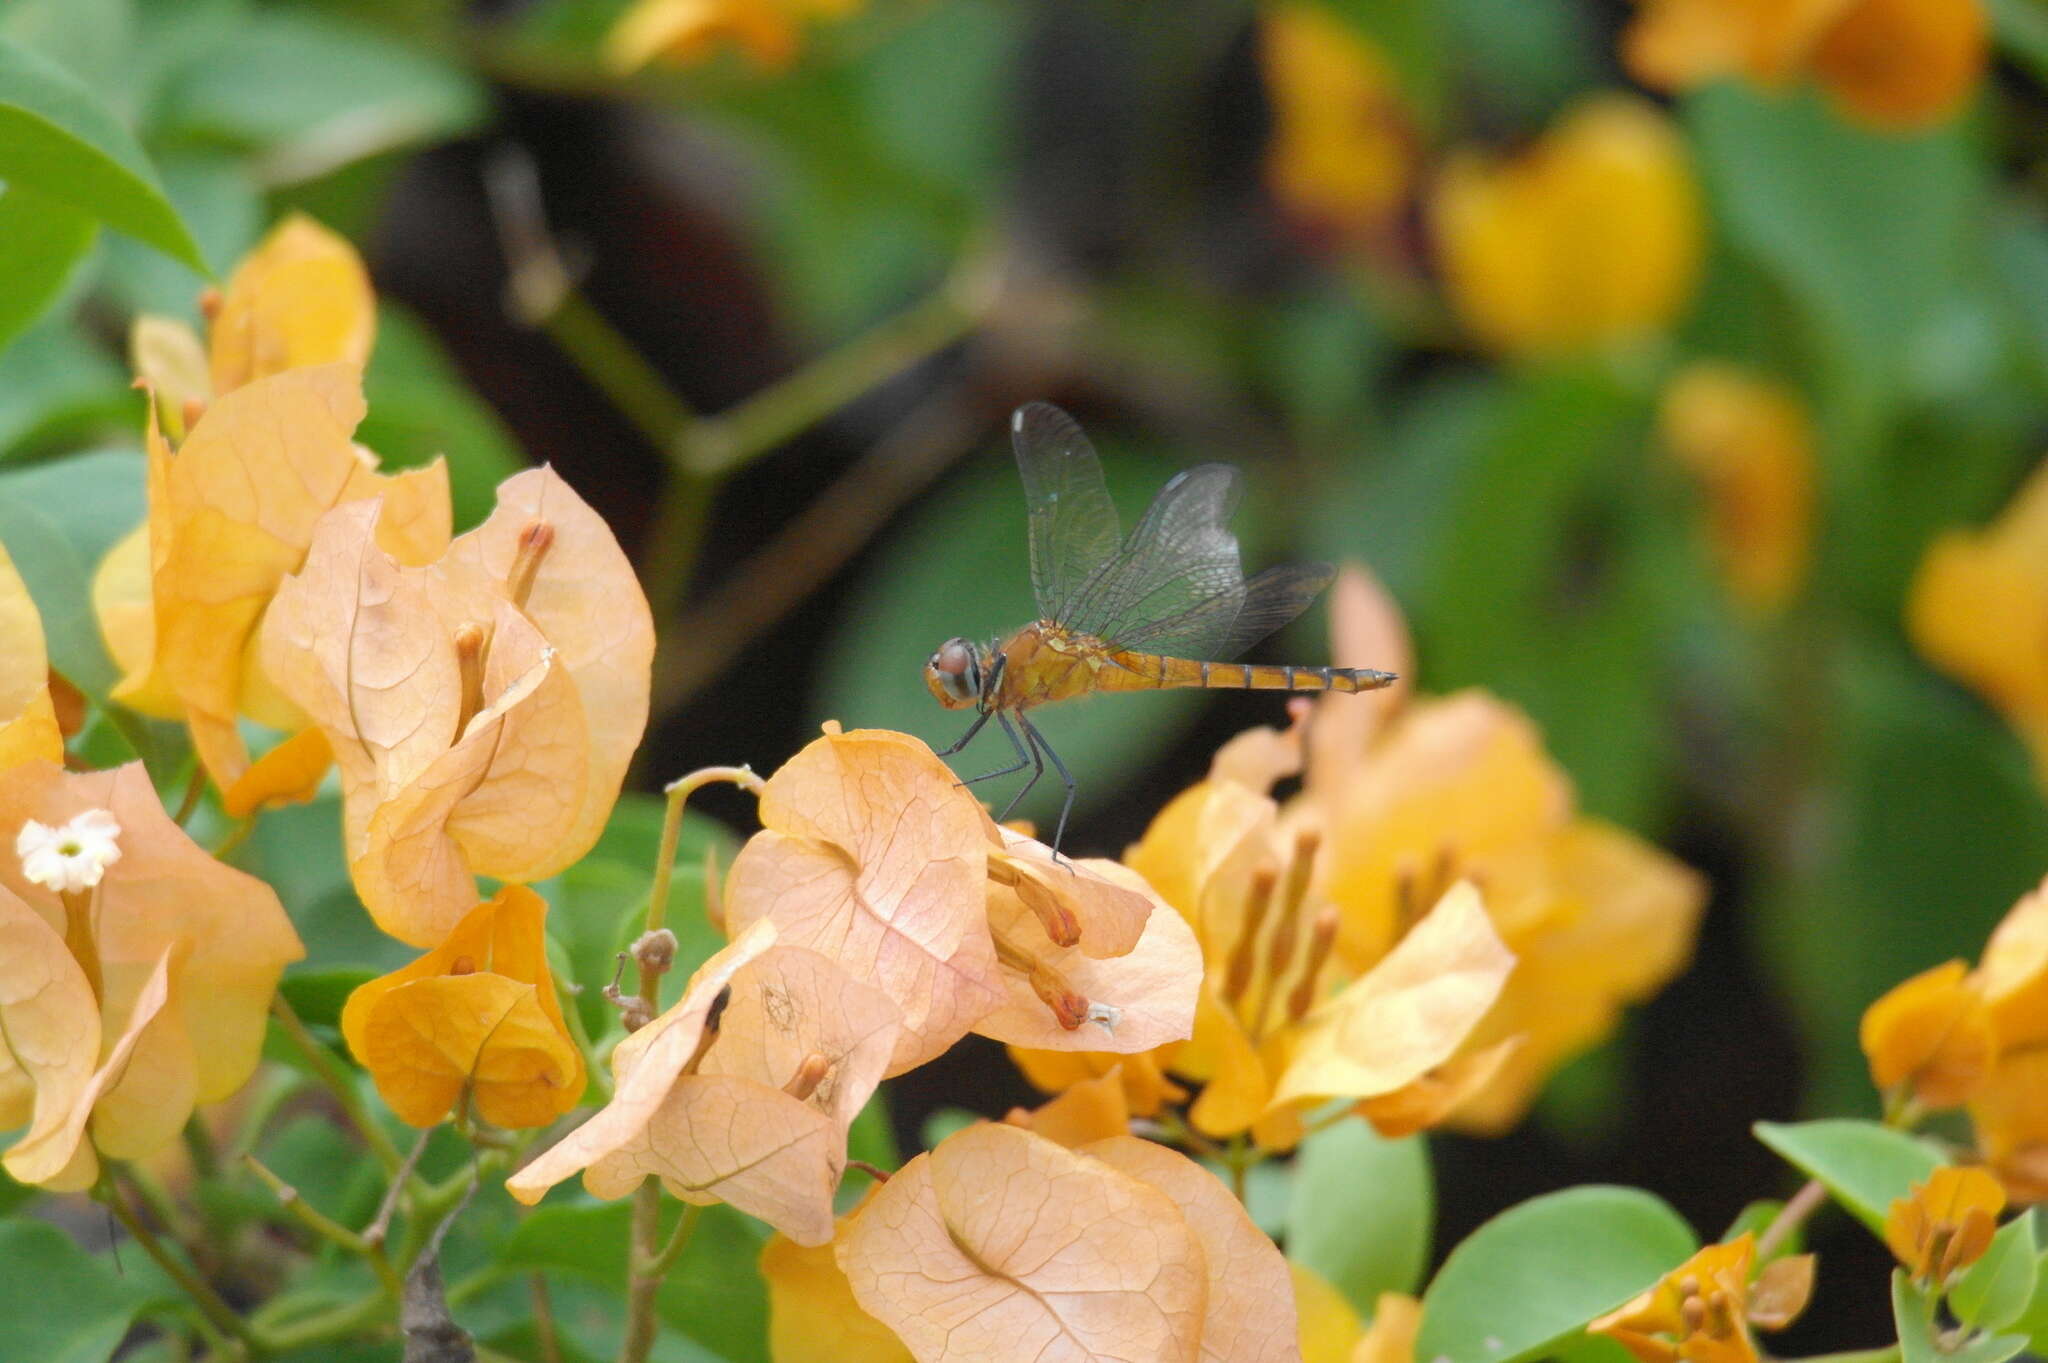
(337, 1083)
(194, 788)
(379, 1229)
(545, 1336)
(217, 1312)
(1790, 1217)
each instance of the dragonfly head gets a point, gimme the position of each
(954, 674)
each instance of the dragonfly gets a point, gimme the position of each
(1166, 606)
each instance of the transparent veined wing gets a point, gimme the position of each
(1074, 528)
(1231, 621)
(1178, 576)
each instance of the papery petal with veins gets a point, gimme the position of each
(1000, 1245)
(870, 853)
(28, 720)
(1250, 1316)
(223, 933)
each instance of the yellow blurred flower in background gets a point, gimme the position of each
(1951, 1036)
(1750, 443)
(1978, 610)
(28, 717)
(1342, 158)
(1895, 65)
(1590, 238)
(681, 31)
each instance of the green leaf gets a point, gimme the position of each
(1798, 188)
(960, 568)
(1913, 1315)
(1996, 1290)
(420, 408)
(58, 520)
(43, 242)
(1534, 1275)
(317, 996)
(1866, 1167)
(57, 139)
(1362, 1211)
(60, 1304)
(56, 385)
(2033, 1318)
(314, 94)
(224, 208)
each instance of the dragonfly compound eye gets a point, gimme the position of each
(952, 675)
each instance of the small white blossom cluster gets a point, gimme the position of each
(74, 855)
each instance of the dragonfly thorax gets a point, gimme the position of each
(954, 673)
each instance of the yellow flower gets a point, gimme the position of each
(1979, 1038)
(1892, 64)
(476, 1020)
(250, 441)
(28, 717)
(1343, 151)
(1702, 1310)
(682, 31)
(1933, 1034)
(1397, 807)
(1750, 444)
(1978, 610)
(135, 971)
(1947, 1223)
(1591, 238)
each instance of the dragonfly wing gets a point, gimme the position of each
(1073, 523)
(1180, 555)
(1230, 622)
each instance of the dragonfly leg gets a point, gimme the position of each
(967, 737)
(1038, 745)
(1024, 753)
(1023, 757)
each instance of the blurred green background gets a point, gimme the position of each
(857, 260)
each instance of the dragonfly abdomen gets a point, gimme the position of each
(1152, 671)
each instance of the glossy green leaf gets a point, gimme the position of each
(222, 205)
(1798, 189)
(43, 243)
(61, 1305)
(1996, 1290)
(58, 520)
(420, 408)
(313, 94)
(1362, 1211)
(1866, 1167)
(58, 139)
(2033, 1318)
(1535, 1274)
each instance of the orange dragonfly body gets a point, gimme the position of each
(1161, 607)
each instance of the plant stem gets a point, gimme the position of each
(1790, 1217)
(327, 1228)
(679, 792)
(217, 1312)
(544, 1333)
(337, 1083)
(648, 1265)
(194, 788)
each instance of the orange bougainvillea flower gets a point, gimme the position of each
(482, 708)
(1749, 442)
(1000, 1244)
(742, 1092)
(681, 31)
(1978, 610)
(1590, 238)
(1946, 1224)
(475, 1019)
(1343, 153)
(1702, 1310)
(137, 971)
(1948, 1036)
(872, 851)
(231, 515)
(1932, 1035)
(1896, 65)
(1399, 801)
(28, 718)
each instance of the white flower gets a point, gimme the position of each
(71, 857)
